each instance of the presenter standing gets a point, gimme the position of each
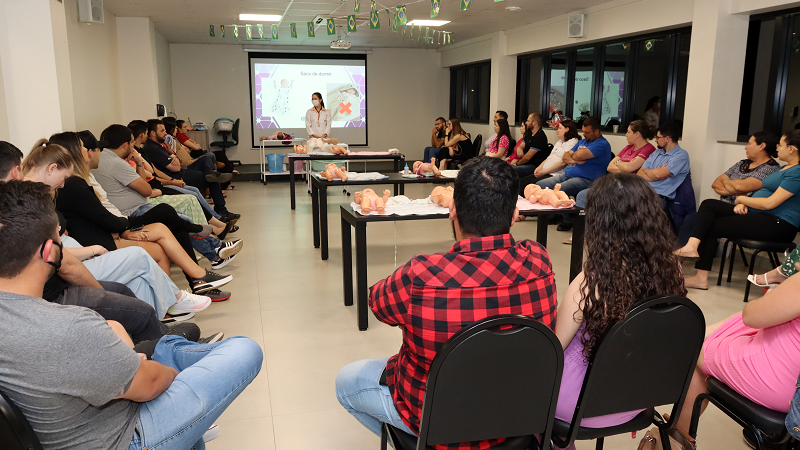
(318, 119)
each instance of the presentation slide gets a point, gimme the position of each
(281, 90)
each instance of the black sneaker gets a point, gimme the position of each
(189, 331)
(178, 317)
(217, 295)
(222, 262)
(228, 249)
(234, 229)
(202, 234)
(231, 217)
(209, 281)
(216, 177)
(228, 227)
(564, 226)
(216, 337)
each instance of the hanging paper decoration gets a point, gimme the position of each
(394, 22)
(374, 18)
(465, 4)
(293, 30)
(331, 27)
(388, 15)
(222, 30)
(351, 23)
(274, 32)
(434, 8)
(401, 14)
(211, 30)
(411, 32)
(261, 31)
(236, 31)
(404, 29)
(357, 7)
(419, 34)
(248, 32)
(426, 35)
(310, 29)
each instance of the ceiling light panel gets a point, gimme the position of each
(428, 23)
(260, 17)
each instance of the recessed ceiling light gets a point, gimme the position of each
(428, 23)
(513, 8)
(260, 17)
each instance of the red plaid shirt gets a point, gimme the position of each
(434, 296)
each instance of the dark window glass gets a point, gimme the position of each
(791, 109)
(652, 75)
(614, 69)
(682, 76)
(558, 82)
(469, 92)
(584, 69)
(535, 87)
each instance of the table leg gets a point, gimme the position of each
(396, 190)
(361, 276)
(576, 259)
(323, 221)
(403, 189)
(315, 214)
(347, 263)
(291, 182)
(541, 229)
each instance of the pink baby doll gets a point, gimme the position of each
(421, 168)
(339, 150)
(369, 200)
(300, 149)
(331, 172)
(554, 197)
(442, 195)
(532, 193)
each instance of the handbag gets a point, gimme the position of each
(678, 440)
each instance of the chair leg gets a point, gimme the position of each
(730, 265)
(744, 258)
(722, 262)
(752, 267)
(663, 437)
(599, 444)
(384, 437)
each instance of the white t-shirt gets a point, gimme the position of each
(559, 148)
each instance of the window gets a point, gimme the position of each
(771, 85)
(469, 92)
(612, 80)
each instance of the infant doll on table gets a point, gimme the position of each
(370, 201)
(332, 172)
(550, 197)
(426, 169)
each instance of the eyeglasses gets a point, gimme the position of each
(659, 137)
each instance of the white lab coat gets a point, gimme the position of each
(318, 123)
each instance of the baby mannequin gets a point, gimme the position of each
(331, 172)
(531, 192)
(369, 200)
(300, 149)
(551, 197)
(338, 150)
(442, 195)
(322, 144)
(421, 168)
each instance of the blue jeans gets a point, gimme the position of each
(524, 170)
(191, 190)
(207, 246)
(359, 392)
(210, 377)
(580, 199)
(572, 186)
(430, 152)
(133, 267)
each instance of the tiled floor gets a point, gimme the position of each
(290, 302)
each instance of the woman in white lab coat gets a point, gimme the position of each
(318, 123)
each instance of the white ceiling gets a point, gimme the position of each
(187, 21)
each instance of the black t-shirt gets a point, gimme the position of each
(159, 157)
(539, 142)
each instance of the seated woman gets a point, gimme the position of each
(754, 352)
(519, 149)
(746, 176)
(500, 145)
(631, 158)
(567, 139)
(623, 209)
(771, 214)
(456, 144)
(91, 224)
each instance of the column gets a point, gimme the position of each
(138, 68)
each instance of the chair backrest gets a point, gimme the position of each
(644, 361)
(476, 146)
(235, 132)
(496, 378)
(15, 431)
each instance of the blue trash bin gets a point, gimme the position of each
(275, 161)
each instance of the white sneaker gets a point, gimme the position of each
(230, 248)
(189, 302)
(211, 434)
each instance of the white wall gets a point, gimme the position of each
(212, 81)
(95, 68)
(139, 77)
(164, 71)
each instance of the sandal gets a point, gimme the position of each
(754, 279)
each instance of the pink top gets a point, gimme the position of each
(761, 364)
(628, 153)
(496, 144)
(514, 155)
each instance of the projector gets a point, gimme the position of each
(340, 45)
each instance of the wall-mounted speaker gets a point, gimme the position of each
(161, 111)
(90, 11)
(575, 26)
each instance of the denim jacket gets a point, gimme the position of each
(793, 418)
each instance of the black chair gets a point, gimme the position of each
(226, 144)
(771, 248)
(470, 151)
(15, 431)
(767, 426)
(643, 361)
(488, 382)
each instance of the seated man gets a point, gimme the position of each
(746, 176)
(84, 386)
(585, 163)
(425, 297)
(438, 135)
(536, 147)
(667, 167)
(200, 174)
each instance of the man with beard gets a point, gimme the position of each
(667, 167)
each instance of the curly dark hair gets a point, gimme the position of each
(629, 248)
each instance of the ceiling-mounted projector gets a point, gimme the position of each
(340, 45)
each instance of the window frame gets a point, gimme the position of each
(673, 38)
(465, 106)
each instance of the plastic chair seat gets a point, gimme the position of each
(640, 422)
(765, 246)
(405, 441)
(765, 419)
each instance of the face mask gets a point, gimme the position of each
(315, 102)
